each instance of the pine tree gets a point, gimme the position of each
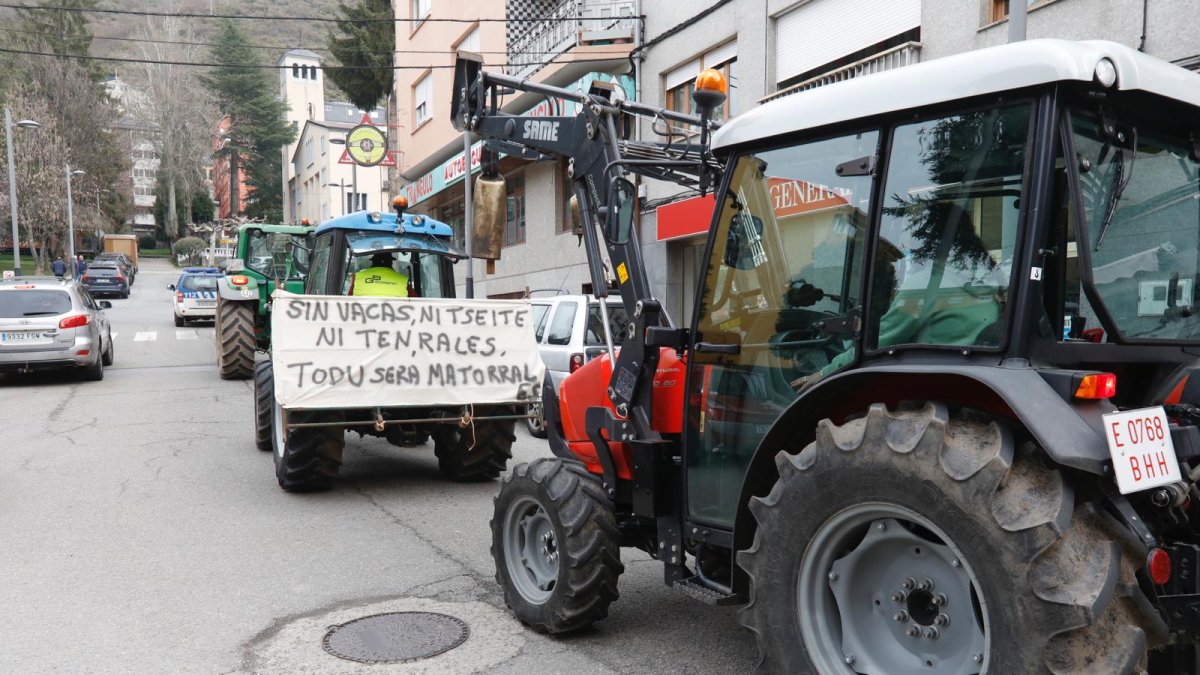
(259, 120)
(363, 41)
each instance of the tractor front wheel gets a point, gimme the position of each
(235, 339)
(556, 546)
(913, 542)
(479, 451)
(307, 459)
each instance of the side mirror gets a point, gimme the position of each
(490, 204)
(104, 304)
(170, 287)
(743, 246)
(300, 258)
(619, 224)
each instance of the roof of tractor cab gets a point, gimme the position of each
(975, 73)
(414, 223)
(273, 227)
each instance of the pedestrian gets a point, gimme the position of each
(59, 267)
(80, 266)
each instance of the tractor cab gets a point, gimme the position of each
(372, 253)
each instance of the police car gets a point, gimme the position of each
(196, 294)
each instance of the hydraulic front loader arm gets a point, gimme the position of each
(596, 144)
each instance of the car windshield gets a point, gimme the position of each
(103, 271)
(1140, 193)
(198, 283)
(617, 320)
(268, 253)
(19, 303)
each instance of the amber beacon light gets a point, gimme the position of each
(710, 89)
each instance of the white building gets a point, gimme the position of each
(139, 138)
(316, 186)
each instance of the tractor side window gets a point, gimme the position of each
(319, 270)
(783, 285)
(949, 229)
(429, 268)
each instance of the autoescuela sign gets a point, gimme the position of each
(361, 352)
(450, 172)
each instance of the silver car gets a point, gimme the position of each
(47, 323)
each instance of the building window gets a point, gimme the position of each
(514, 230)
(420, 10)
(453, 215)
(999, 9)
(308, 152)
(296, 71)
(471, 42)
(680, 82)
(564, 223)
(352, 204)
(423, 100)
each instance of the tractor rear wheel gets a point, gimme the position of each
(477, 452)
(264, 402)
(556, 545)
(307, 459)
(917, 542)
(235, 339)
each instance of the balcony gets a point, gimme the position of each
(561, 25)
(889, 59)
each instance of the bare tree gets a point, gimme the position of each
(177, 108)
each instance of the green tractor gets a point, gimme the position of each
(268, 257)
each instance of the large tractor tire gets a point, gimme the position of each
(556, 546)
(477, 452)
(308, 459)
(235, 339)
(264, 402)
(917, 542)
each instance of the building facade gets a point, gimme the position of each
(139, 139)
(319, 180)
(568, 48)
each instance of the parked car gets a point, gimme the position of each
(48, 323)
(104, 279)
(569, 330)
(128, 267)
(196, 294)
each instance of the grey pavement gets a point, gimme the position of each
(141, 531)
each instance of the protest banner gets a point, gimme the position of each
(361, 352)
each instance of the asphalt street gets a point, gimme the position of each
(141, 531)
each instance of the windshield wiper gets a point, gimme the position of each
(1120, 182)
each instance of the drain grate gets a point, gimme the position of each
(396, 637)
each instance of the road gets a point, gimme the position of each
(140, 531)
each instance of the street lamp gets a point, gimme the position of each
(99, 216)
(343, 185)
(12, 182)
(353, 170)
(70, 219)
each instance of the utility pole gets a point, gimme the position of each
(234, 197)
(70, 220)
(468, 212)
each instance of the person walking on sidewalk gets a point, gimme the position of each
(58, 267)
(80, 266)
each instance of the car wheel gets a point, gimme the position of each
(179, 321)
(106, 358)
(94, 372)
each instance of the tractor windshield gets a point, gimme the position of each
(1139, 192)
(420, 262)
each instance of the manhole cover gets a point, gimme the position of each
(397, 637)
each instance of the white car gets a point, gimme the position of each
(196, 294)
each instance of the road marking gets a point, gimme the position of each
(185, 335)
(146, 336)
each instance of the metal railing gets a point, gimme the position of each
(890, 59)
(570, 24)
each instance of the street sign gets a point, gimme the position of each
(366, 144)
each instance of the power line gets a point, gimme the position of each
(326, 19)
(277, 47)
(119, 59)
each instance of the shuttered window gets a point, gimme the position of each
(822, 31)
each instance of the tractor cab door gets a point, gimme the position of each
(781, 302)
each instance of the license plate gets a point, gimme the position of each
(206, 303)
(102, 281)
(15, 337)
(1143, 455)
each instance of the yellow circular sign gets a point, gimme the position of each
(367, 145)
